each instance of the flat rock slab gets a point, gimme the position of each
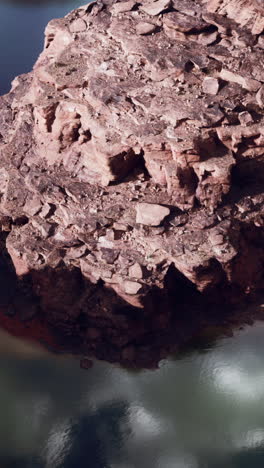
(151, 214)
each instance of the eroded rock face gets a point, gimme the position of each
(132, 167)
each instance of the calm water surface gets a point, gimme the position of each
(22, 24)
(203, 410)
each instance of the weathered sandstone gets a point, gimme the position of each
(132, 170)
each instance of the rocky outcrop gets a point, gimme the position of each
(132, 169)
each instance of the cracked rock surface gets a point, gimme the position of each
(132, 170)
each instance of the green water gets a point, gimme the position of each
(203, 410)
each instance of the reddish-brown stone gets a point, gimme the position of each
(134, 109)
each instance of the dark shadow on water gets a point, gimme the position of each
(20, 462)
(94, 439)
(201, 344)
(93, 320)
(246, 458)
(250, 458)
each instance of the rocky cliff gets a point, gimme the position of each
(132, 170)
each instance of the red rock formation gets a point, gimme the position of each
(132, 167)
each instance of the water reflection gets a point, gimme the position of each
(22, 24)
(204, 410)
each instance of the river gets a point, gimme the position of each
(203, 409)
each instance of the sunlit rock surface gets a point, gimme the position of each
(132, 167)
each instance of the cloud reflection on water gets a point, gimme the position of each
(203, 410)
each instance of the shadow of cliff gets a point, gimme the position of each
(64, 310)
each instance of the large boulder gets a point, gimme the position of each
(132, 170)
